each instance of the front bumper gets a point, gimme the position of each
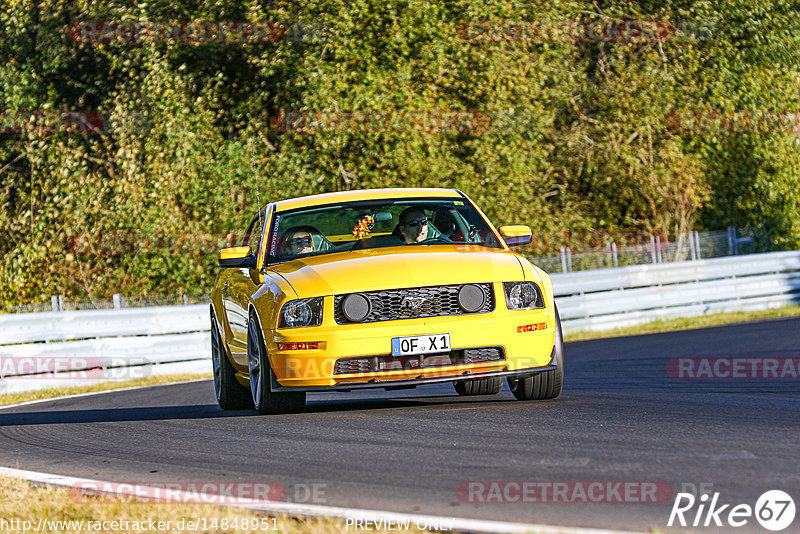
(314, 368)
(414, 382)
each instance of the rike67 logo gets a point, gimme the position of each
(774, 510)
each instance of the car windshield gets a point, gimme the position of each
(374, 224)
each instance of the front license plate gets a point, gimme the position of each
(407, 346)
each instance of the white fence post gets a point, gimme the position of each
(697, 244)
(732, 244)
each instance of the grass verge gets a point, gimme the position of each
(687, 323)
(13, 398)
(49, 509)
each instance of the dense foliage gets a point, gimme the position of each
(569, 134)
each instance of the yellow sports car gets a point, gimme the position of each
(383, 288)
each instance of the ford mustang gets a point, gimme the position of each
(382, 288)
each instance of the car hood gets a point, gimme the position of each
(398, 267)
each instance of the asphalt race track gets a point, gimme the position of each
(619, 418)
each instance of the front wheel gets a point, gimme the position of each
(547, 384)
(230, 394)
(264, 400)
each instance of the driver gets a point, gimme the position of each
(298, 240)
(413, 225)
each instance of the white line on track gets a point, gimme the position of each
(291, 509)
(306, 510)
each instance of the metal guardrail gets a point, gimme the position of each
(52, 349)
(627, 296)
(587, 300)
(89, 324)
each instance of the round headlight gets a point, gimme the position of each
(356, 307)
(297, 313)
(522, 296)
(471, 298)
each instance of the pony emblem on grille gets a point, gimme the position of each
(412, 303)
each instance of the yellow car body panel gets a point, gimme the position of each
(497, 328)
(393, 267)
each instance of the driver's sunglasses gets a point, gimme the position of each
(416, 223)
(301, 242)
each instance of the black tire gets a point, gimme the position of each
(231, 395)
(547, 384)
(479, 386)
(265, 401)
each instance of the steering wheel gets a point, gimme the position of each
(437, 239)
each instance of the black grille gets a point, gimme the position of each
(353, 365)
(387, 362)
(484, 354)
(393, 304)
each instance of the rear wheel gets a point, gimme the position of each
(479, 386)
(264, 400)
(230, 394)
(547, 384)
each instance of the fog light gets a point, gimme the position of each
(471, 298)
(356, 307)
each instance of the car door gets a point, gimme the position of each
(237, 287)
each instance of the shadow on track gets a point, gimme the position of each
(212, 411)
(352, 405)
(207, 411)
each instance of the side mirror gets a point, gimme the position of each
(241, 257)
(516, 234)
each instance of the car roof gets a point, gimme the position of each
(365, 194)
